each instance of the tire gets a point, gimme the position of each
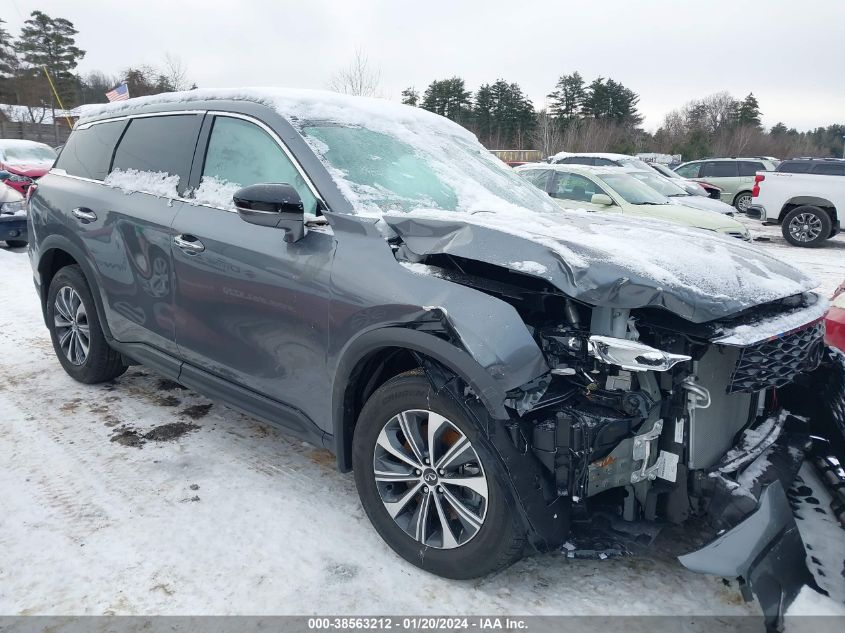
(742, 201)
(806, 226)
(16, 243)
(471, 551)
(70, 313)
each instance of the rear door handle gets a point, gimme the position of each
(189, 243)
(84, 214)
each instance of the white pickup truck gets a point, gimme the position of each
(807, 206)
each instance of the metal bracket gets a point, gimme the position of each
(642, 452)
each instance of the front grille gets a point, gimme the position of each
(777, 362)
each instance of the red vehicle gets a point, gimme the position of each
(835, 319)
(23, 162)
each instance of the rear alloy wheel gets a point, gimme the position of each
(807, 226)
(75, 330)
(742, 202)
(430, 484)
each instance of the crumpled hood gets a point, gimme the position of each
(612, 261)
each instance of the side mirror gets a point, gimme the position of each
(275, 205)
(601, 199)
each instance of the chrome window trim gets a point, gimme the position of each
(235, 115)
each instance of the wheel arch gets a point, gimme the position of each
(812, 201)
(56, 253)
(378, 355)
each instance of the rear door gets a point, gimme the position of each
(724, 174)
(252, 310)
(129, 174)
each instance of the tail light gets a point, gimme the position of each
(755, 191)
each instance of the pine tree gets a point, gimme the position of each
(568, 97)
(8, 61)
(449, 98)
(50, 42)
(749, 111)
(410, 96)
(778, 129)
(504, 117)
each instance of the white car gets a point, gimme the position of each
(678, 194)
(805, 205)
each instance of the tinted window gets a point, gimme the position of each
(574, 187)
(829, 169)
(606, 162)
(578, 160)
(538, 177)
(689, 171)
(88, 152)
(750, 168)
(239, 154)
(719, 169)
(159, 144)
(795, 166)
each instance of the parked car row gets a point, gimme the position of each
(632, 191)
(21, 164)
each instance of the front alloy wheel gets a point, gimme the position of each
(431, 483)
(430, 479)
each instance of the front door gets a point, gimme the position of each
(251, 309)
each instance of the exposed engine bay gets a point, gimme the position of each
(660, 419)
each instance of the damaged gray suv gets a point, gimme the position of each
(369, 277)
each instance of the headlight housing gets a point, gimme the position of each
(632, 355)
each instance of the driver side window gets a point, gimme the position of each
(574, 187)
(240, 154)
(688, 171)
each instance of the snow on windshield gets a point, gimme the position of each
(26, 152)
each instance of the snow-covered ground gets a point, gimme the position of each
(223, 515)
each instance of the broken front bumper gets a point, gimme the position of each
(757, 538)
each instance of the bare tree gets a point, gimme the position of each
(547, 134)
(358, 78)
(175, 73)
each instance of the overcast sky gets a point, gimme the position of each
(788, 52)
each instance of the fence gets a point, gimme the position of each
(52, 134)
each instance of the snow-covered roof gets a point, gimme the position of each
(314, 105)
(576, 168)
(607, 155)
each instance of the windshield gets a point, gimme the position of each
(660, 184)
(630, 161)
(381, 172)
(632, 190)
(34, 153)
(663, 169)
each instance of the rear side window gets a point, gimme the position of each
(88, 152)
(750, 168)
(829, 169)
(160, 144)
(719, 169)
(689, 171)
(604, 162)
(578, 160)
(537, 177)
(795, 167)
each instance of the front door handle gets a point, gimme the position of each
(84, 214)
(189, 244)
